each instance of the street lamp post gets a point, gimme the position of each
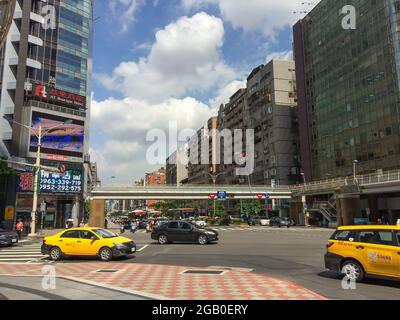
(304, 200)
(36, 172)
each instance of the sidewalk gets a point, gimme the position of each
(172, 282)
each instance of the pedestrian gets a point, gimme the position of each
(105, 223)
(19, 228)
(27, 225)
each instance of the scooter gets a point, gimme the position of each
(134, 228)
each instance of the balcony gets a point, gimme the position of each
(33, 64)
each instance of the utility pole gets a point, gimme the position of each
(36, 172)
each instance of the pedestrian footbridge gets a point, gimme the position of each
(189, 192)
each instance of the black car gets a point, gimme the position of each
(8, 238)
(181, 231)
(280, 222)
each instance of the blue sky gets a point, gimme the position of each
(157, 61)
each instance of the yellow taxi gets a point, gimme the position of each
(365, 251)
(87, 242)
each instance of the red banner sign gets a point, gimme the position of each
(44, 92)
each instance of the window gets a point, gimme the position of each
(84, 234)
(71, 234)
(345, 235)
(398, 238)
(173, 225)
(377, 237)
(185, 226)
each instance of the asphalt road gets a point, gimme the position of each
(296, 255)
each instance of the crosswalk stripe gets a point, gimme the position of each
(22, 253)
(22, 256)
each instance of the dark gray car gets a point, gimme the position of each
(182, 231)
(8, 238)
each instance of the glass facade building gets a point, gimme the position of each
(66, 52)
(348, 88)
(46, 70)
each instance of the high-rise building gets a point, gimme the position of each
(45, 82)
(203, 154)
(272, 113)
(232, 116)
(348, 88)
(176, 171)
(92, 177)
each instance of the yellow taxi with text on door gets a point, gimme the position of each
(365, 251)
(87, 242)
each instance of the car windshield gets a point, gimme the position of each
(105, 233)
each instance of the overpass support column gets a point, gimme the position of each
(97, 216)
(373, 207)
(297, 211)
(349, 207)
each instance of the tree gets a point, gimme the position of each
(252, 207)
(6, 171)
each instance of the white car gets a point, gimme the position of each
(200, 223)
(264, 222)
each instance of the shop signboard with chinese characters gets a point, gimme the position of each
(49, 94)
(69, 182)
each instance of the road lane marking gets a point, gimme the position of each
(142, 248)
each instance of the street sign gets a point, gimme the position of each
(263, 195)
(221, 195)
(212, 196)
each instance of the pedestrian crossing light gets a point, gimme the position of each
(7, 8)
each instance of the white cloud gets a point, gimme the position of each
(282, 55)
(123, 12)
(266, 16)
(120, 127)
(185, 57)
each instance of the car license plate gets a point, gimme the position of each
(14, 240)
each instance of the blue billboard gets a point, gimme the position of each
(69, 182)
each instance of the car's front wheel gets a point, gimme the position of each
(106, 254)
(162, 239)
(203, 240)
(55, 253)
(353, 270)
